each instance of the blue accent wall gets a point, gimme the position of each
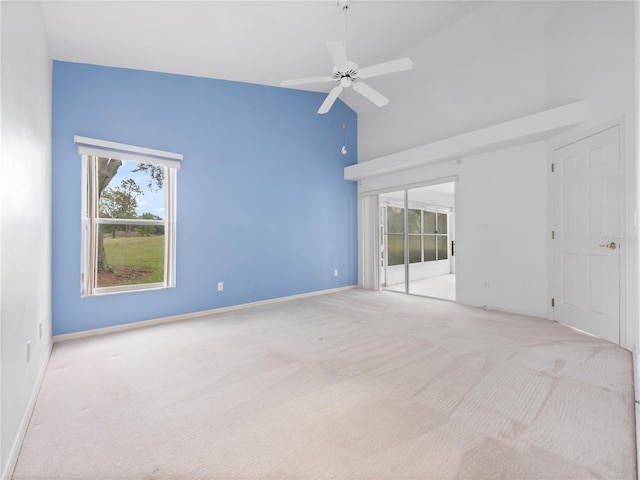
(262, 202)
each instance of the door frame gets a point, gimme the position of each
(369, 231)
(628, 266)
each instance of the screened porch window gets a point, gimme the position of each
(428, 235)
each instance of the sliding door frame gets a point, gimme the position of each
(369, 231)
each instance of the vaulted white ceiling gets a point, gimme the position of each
(260, 42)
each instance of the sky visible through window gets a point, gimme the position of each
(151, 201)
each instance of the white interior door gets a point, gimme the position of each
(586, 248)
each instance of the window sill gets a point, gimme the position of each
(99, 292)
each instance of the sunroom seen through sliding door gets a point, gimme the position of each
(417, 241)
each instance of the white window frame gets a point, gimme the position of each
(384, 235)
(89, 149)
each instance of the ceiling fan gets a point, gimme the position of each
(348, 74)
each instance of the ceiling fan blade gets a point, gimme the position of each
(371, 94)
(303, 81)
(338, 55)
(387, 67)
(331, 98)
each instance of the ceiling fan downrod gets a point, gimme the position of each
(344, 6)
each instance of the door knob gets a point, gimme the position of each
(611, 245)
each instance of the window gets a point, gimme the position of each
(128, 234)
(427, 231)
(415, 229)
(395, 235)
(435, 236)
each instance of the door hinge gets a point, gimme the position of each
(553, 302)
(553, 167)
(553, 234)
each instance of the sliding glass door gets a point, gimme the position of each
(415, 240)
(416, 225)
(392, 247)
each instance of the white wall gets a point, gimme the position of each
(506, 60)
(591, 54)
(502, 230)
(25, 228)
(635, 304)
(501, 225)
(484, 70)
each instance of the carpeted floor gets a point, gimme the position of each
(348, 385)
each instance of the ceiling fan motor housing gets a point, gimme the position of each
(350, 74)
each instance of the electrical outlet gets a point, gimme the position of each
(28, 351)
(40, 331)
(485, 283)
(220, 286)
(335, 272)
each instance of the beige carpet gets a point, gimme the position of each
(350, 385)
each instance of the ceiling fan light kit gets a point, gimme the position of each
(349, 74)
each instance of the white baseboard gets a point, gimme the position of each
(637, 441)
(187, 316)
(636, 377)
(26, 418)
